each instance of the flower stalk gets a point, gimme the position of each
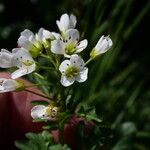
(41, 95)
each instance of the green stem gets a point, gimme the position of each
(88, 61)
(47, 68)
(44, 96)
(61, 134)
(45, 56)
(38, 84)
(49, 58)
(39, 76)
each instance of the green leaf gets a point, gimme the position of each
(59, 147)
(41, 141)
(39, 103)
(89, 113)
(23, 145)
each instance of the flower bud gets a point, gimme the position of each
(102, 46)
(9, 85)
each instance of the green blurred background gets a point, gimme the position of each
(118, 83)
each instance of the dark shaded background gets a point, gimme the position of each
(119, 82)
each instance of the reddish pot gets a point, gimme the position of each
(70, 130)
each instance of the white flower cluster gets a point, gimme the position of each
(66, 43)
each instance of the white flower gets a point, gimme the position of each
(19, 58)
(30, 41)
(73, 70)
(23, 60)
(66, 22)
(69, 44)
(8, 85)
(103, 45)
(33, 43)
(44, 112)
(44, 34)
(45, 37)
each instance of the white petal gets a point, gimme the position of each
(23, 71)
(82, 75)
(31, 68)
(5, 50)
(24, 42)
(103, 45)
(26, 39)
(110, 43)
(38, 112)
(5, 90)
(56, 35)
(63, 24)
(72, 35)
(82, 45)
(59, 25)
(16, 58)
(99, 42)
(66, 81)
(1, 89)
(2, 80)
(57, 47)
(27, 33)
(5, 59)
(64, 65)
(47, 35)
(19, 73)
(23, 60)
(21, 54)
(7, 85)
(77, 61)
(73, 21)
(16, 50)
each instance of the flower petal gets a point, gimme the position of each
(47, 35)
(7, 85)
(5, 51)
(82, 75)
(64, 65)
(103, 45)
(26, 39)
(24, 42)
(18, 56)
(63, 24)
(19, 73)
(38, 112)
(76, 60)
(23, 71)
(21, 54)
(5, 59)
(82, 45)
(27, 33)
(66, 81)
(72, 35)
(73, 21)
(99, 42)
(57, 47)
(56, 35)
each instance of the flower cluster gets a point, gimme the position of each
(61, 49)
